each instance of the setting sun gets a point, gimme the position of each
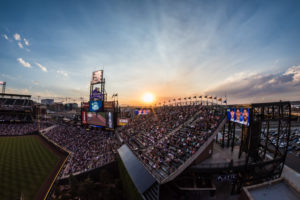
(148, 98)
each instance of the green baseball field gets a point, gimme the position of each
(28, 166)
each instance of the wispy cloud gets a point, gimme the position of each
(42, 67)
(5, 36)
(20, 45)
(24, 63)
(63, 73)
(18, 90)
(17, 36)
(26, 42)
(36, 82)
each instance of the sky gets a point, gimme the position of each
(248, 51)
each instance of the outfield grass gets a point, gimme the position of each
(25, 164)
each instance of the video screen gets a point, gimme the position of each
(239, 115)
(110, 120)
(95, 106)
(96, 118)
(142, 111)
(97, 77)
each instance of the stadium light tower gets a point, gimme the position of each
(3, 86)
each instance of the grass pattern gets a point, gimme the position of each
(25, 164)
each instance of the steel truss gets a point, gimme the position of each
(266, 143)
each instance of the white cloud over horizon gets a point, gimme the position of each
(24, 63)
(285, 85)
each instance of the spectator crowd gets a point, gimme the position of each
(89, 149)
(167, 137)
(12, 129)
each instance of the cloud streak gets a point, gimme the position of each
(20, 45)
(42, 67)
(26, 42)
(5, 36)
(24, 63)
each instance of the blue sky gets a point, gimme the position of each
(248, 50)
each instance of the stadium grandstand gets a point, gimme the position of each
(16, 108)
(193, 151)
(169, 136)
(179, 149)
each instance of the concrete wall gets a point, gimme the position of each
(206, 153)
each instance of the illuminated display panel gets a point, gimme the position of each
(96, 118)
(95, 106)
(142, 111)
(239, 115)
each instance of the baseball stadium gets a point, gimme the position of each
(149, 100)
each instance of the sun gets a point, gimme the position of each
(148, 98)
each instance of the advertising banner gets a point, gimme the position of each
(84, 117)
(108, 105)
(122, 122)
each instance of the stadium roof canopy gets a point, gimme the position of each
(142, 179)
(13, 96)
